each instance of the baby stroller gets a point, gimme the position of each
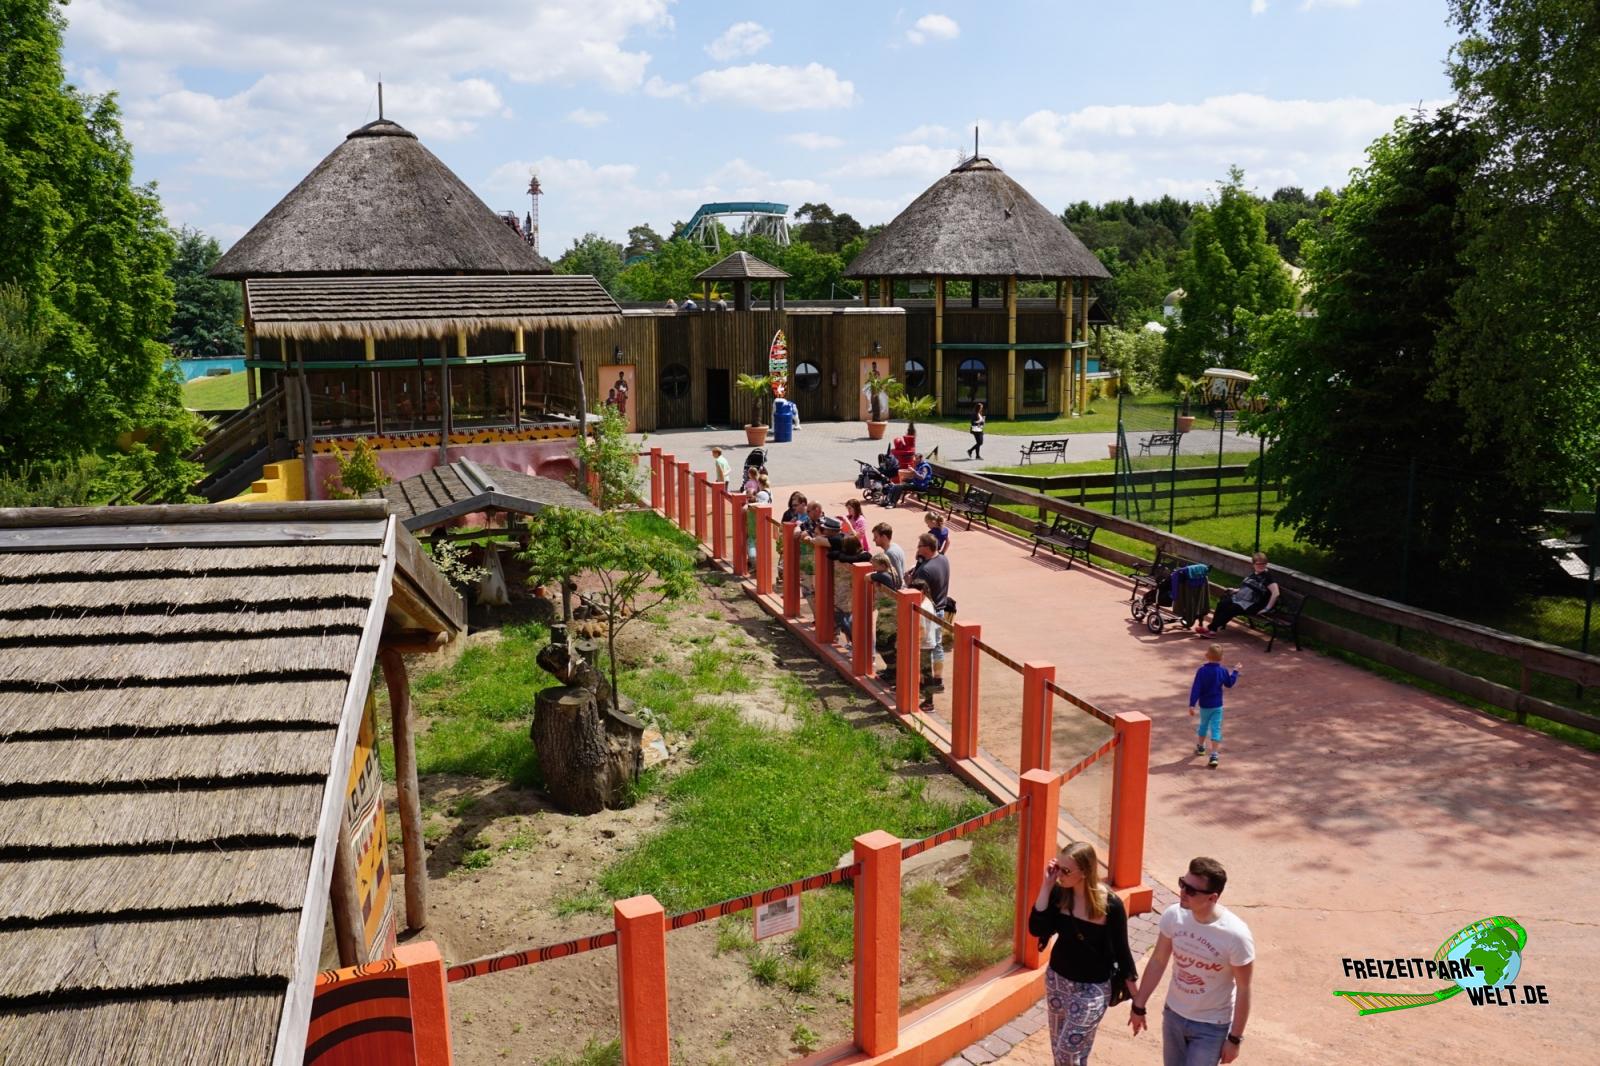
(873, 481)
(756, 460)
(1168, 590)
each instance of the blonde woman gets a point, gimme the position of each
(1090, 960)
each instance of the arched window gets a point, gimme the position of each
(674, 381)
(807, 378)
(972, 383)
(1033, 382)
(916, 377)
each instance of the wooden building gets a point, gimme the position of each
(979, 226)
(189, 779)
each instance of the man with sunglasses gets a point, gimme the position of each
(1213, 954)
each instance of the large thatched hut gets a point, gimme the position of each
(978, 226)
(189, 780)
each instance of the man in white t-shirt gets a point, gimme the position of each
(1213, 955)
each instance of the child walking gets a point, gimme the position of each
(1206, 694)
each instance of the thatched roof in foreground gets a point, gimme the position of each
(380, 203)
(975, 222)
(352, 308)
(445, 493)
(741, 266)
(180, 689)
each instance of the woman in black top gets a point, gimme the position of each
(1091, 950)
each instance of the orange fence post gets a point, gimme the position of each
(741, 534)
(685, 521)
(791, 569)
(964, 694)
(908, 651)
(1036, 844)
(655, 479)
(700, 506)
(719, 519)
(642, 980)
(1130, 785)
(669, 490)
(877, 973)
(1036, 700)
(430, 1009)
(861, 628)
(822, 584)
(763, 549)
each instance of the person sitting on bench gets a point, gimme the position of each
(922, 478)
(1258, 594)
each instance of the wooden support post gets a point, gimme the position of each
(791, 569)
(1036, 701)
(1036, 846)
(1129, 791)
(822, 584)
(861, 629)
(655, 479)
(642, 980)
(877, 954)
(349, 932)
(1081, 355)
(719, 520)
(685, 497)
(249, 355)
(964, 693)
(763, 519)
(405, 779)
(700, 506)
(908, 651)
(1011, 352)
(1064, 305)
(669, 487)
(938, 345)
(430, 1007)
(740, 548)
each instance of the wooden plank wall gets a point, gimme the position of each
(987, 325)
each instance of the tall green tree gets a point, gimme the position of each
(89, 251)
(208, 314)
(1525, 353)
(642, 240)
(1376, 463)
(1229, 273)
(593, 254)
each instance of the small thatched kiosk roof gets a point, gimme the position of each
(382, 308)
(741, 265)
(445, 493)
(380, 203)
(180, 693)
(975, 222)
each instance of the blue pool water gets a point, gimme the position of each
(198, 368)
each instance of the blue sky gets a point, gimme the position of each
(639, 110)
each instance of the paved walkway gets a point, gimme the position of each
(1356, 816)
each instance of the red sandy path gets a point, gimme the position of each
(1356, 816)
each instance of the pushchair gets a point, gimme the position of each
(874, 481)
(1157, 599)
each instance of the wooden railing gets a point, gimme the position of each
(248, 431)
(1529, 656)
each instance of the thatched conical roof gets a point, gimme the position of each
(976, 222)
(380, 203)
(740, 266)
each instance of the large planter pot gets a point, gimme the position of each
(1113, 450)
(876, 430)
(1185, 423)
(755, 436)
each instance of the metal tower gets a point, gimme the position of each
(534, 192)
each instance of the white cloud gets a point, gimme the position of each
(933, 28)
(814, 142)
(740, 39)
(1258, 7)
(905, 161)
(1311, 5)
(928, 135)
(664, 90)
(584, 116)
(765, 87)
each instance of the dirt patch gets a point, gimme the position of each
(508, 871)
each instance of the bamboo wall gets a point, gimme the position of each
(963, 325)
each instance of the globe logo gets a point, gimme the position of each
(1481, 959)
(1492, 949)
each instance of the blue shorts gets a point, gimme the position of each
(1210, 723)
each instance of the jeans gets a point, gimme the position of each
(1190, 1043)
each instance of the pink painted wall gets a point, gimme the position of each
(546, 458)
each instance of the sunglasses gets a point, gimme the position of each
(1190, 890)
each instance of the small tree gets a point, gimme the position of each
(759, 386)
(612, 457)
(359, 474)
(635, 574)
(910, 408)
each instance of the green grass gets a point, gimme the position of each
(1102, 418)
(650, 524)
(226, 392)
(1142, 465)
(953, 932)
(594, 1053)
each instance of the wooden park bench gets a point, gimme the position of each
(973, 504)
(1158, 442)
(1067, 535)
(1056, 447)
(1224, 417)
(939, 493)
(1284, 617)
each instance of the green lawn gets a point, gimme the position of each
(226, 392)
(1102, 418)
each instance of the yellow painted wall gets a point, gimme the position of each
(279, 482)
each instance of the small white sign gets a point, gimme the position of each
(779, 916)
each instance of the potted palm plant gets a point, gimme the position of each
(1187, 387)
(881, 392)
(759, 386)
(910, 408)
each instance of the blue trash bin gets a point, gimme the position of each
(782, 422)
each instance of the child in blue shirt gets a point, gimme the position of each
(1206, 694)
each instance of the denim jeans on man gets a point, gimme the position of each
(1190, 1043)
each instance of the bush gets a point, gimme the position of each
(1137, 353)
(359, 474)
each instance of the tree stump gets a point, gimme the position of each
(574, 755)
